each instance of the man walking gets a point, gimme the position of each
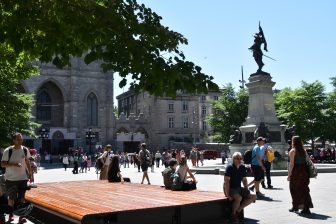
(145, 162)
(267, 164)
(257, 165)
(235, 174)
(18, 170)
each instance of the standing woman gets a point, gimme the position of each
(298, 177)
(113, 174)
(105, 158)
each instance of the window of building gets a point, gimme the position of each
(171, 107)
(203, 98)
(204, 126)
(215, 97)
(92, 110)
(184, 106)
(204, 111)
(43, 104)
(185, 122)
(170, 122)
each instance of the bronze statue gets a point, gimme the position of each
(259, 39)
(262, 131)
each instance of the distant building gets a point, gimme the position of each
(69, 102)
(161, 120)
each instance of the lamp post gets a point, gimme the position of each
(44, 134)
(89, 136)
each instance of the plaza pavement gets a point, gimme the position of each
(271, 209)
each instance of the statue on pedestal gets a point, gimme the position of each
(262, 131)
(259, 39)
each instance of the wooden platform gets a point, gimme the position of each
(103, 202)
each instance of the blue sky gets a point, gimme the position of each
(301, 35)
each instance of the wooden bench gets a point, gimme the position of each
(102, 202)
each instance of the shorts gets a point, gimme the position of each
(258, 173)
(144, 167)
(16, 189)
(241, 191)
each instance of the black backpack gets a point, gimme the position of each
(248, 156)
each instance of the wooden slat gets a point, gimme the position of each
(81, 198)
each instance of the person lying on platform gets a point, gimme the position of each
(235, 173)
(113, 173)
(168, 172)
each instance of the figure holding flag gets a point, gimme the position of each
(259, 39)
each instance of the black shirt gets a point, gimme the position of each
(236, 175)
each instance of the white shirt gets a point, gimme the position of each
(15, 173)
(66, 160)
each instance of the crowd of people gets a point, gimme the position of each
(19, 165)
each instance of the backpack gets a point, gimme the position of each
(270, 155)
(248, 156)
(168, 177)
(10, 152)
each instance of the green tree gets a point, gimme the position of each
(230, 111)
(304, 107)
(333, 81)
(125, 36)
(15, 108)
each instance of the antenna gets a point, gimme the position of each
(242, 81)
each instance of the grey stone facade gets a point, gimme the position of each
(165, 120)
(70, 101)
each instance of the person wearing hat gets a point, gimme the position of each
(144, 158)
(257, 165)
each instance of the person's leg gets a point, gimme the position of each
(235, 203)
(268, 174)
(246, 201)
(147, 177)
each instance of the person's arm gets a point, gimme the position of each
(28, 167)
(191, 175)
(259, 161)
(227, 187)
(291, 163)
(121, 178)
(245, 182)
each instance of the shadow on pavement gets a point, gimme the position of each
(315, 216)
(250, 221)
(265, 198)
(275, 189)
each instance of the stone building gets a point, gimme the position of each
(161, 120)
(68, 103)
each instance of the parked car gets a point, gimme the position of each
(210, 154)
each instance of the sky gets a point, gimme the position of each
(301, 36)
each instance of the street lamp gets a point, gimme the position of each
(44, 134)
(89, 136)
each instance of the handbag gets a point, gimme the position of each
(312, 171)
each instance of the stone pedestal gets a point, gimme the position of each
(261, 109)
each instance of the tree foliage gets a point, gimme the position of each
(15, 108)
(308, 107)
(125, 36)
(230, 111)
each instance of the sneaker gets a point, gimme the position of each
(270, 187)
(259, 194)
(293, 210)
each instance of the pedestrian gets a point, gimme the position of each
(126, 162)
(223, 156)
(106, 160)
(235, 174)
(18, 171)
(166, 156)
(267, 165)
(89, 162)
(158, 158)
(71, 160)
(76, 161)
(113, 174)
(201, 157)
(298, 178)
(81, 163)
(65, 161)
(144, 159)
(257, 166)
(193, 156)
(198, 157)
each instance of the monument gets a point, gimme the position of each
(261, 119)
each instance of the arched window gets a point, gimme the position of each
(43, 104)
(92, 110)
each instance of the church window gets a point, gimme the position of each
(92, 110)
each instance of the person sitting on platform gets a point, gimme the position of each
(235, 173)
(105, 158)
(183, 171)
(113, 174)
(168, 172)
